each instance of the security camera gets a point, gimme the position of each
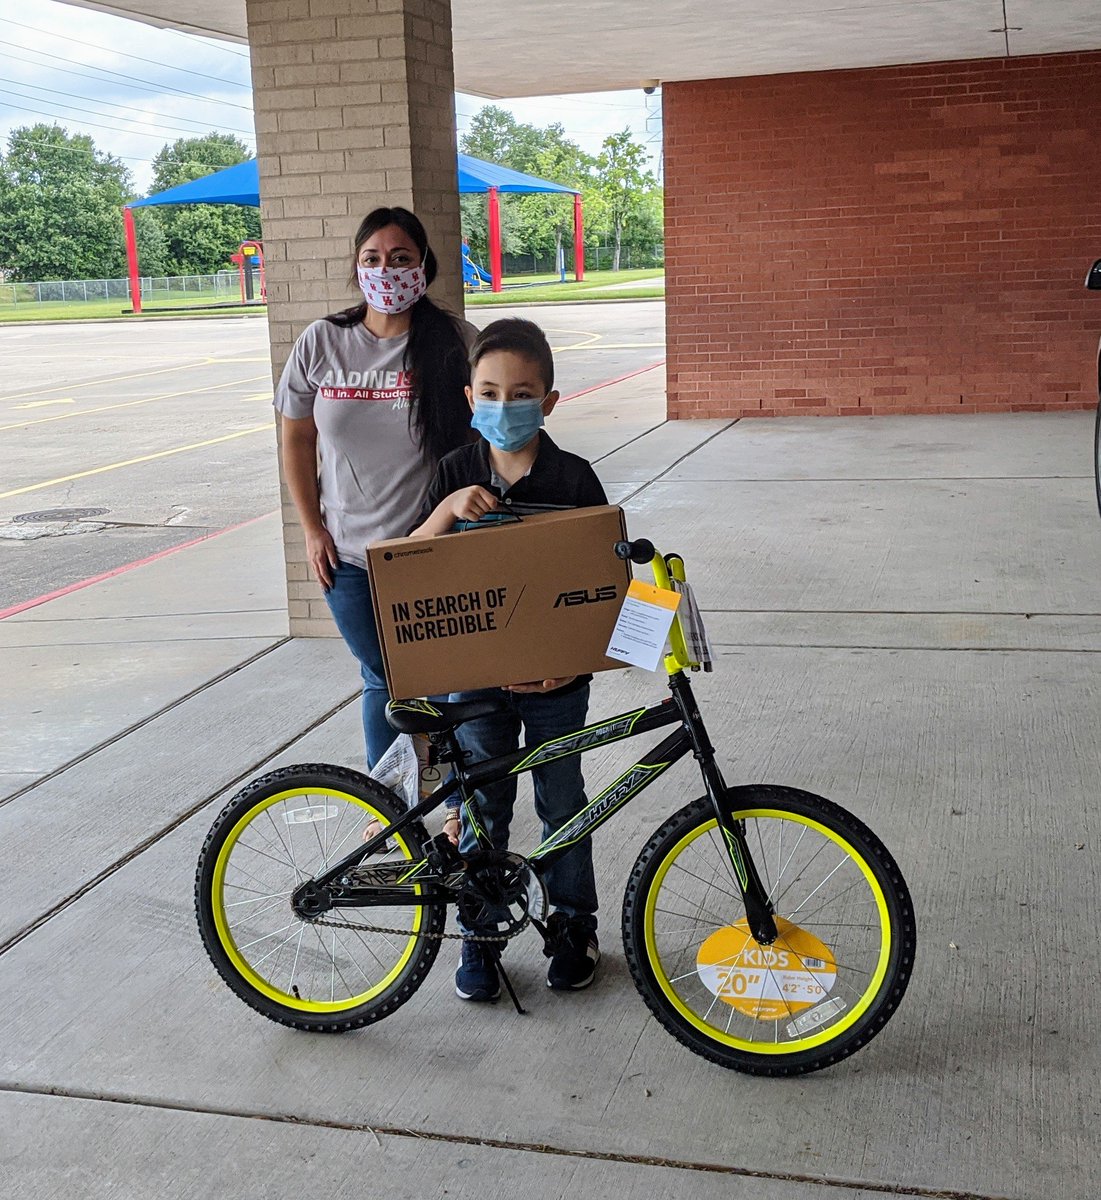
(650, 86)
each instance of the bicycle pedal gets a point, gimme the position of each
(442, 856)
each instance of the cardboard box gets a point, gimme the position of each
(536, 599)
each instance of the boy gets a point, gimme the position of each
(514, 467)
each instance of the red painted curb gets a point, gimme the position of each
(141, 562)
(608, 382)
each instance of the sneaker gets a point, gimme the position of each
(573, 953)
(477, 978)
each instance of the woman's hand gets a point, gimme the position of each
(539, 686)
(472, 503)
(321, 551)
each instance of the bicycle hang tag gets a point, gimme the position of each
(643, 625)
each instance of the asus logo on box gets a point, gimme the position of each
(583, 596)
(531, 599)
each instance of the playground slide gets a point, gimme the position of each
(473, 275)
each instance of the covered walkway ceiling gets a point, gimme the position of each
(506, 48)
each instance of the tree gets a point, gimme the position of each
(545, 219)
(199, 238)
(621, 197)
(60, 207)
(622, 181)
(496, 136)
(152, 243)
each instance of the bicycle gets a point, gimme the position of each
(766, 928)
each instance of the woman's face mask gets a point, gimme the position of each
(508, 424)
(392, 289)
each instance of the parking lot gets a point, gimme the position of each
(119, 440)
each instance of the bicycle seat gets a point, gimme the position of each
(431, 716)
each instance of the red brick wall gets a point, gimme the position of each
(904, 239)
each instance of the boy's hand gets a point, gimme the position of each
(472, 503)
(540, 685)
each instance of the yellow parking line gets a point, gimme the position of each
(82, 412)
(202, 362)
(593, 337)
(612, 346)
(130, 462)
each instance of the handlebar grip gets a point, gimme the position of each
(641, 551)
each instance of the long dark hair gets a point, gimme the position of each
(436, 353)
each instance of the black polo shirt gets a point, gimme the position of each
(557, 479)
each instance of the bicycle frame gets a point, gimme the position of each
(679, 708)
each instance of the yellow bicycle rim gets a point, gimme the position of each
(225, 936)
(825, 1034)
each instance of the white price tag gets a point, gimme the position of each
(643, 625)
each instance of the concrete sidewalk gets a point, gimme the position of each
(908, 619)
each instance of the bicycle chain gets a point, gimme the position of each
(436, 937)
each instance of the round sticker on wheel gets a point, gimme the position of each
(766, 982)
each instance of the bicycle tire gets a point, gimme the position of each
(828, 984)
(252, 862)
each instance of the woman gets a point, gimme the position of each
(376, 394)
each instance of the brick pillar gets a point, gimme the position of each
(355, 107)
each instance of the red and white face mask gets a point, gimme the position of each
(392, 289)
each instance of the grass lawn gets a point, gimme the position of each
(647, 284)
(545, 288)
(74, 310)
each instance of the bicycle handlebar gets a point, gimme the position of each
(640, 552)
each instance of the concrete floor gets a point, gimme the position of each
(907, 615)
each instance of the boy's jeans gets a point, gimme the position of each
(559, 788)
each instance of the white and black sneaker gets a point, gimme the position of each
(573, 953)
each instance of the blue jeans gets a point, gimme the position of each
(559, 788)
(349, 601)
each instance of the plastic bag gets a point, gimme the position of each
(399, 770)
(696, 640)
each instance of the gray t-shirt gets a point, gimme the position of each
(372, 477)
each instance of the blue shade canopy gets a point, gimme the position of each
(240, 184)
(478, 176)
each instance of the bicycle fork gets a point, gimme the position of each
(758, 907)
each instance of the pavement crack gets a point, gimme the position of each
(630, 442)
(676, 463)
(173, 825)
(622, 1075)
(153, 716)
(914, 1191)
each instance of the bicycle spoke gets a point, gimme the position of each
(813, 898)
(735, 896)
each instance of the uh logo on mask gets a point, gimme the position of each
(508, 424)
(392, 289)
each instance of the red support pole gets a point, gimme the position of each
(578, 239)
(494, 240)
(132, 258)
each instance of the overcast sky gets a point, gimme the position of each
(108, 77)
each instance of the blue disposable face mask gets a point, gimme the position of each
(508, 424)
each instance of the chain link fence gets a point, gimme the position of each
(226, 286)
(223, 285)
(597, 258)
